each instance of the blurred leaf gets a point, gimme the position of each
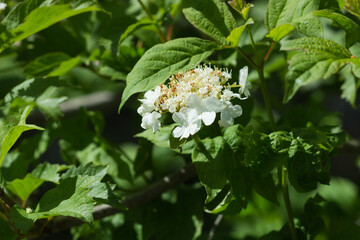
(353, 7)
(295, 12)
(236, 33)
(45, 64)
(133, 27)
(143, 157)
(42, 18)
(10, 134)
(279, 32)
(349, 26)
(210, 161)
(24, 187)
(6, 232)
(212, 17)
(164, 60)
(19, 217)
(319, 60)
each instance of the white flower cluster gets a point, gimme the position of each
(194, 98)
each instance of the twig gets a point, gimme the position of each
(132, 201)
(5, 198)
(216, 223)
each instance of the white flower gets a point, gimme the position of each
(245, 86)
(229, 113)
(189, 121)
(150, 120)
(203, 107)
(148, 103)
(2, 6)
(28, 210)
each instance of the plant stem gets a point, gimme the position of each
(251, 37)
(158, 30)
(285, 192)
(266, 97)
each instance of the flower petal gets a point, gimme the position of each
(177, 132)
(208, 117)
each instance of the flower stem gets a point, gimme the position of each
(251, 37)
(158, 30)
(266, 97)
(285, 193)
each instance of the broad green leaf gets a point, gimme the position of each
(133, 27)
(212, 17)
(295, 12)
(349, 26)
(48, 102)
(320, 59)
(70, 198)
(20, 218)
(86, 170)
(164, 60)
(64, 67)
(353, 7)
(279, 32)
(210, 161)
(236, 33)
(8, 139)
(42, 18)
(24, 187)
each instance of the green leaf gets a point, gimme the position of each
(295, 12)
(8, 139)
(320, 59)
(236, 33)
(69, 198)
(133, 27)
(241, 7)
(164, 60)
(45, 64)
(20, 217)
(42, 18)
(353, 7)
(64, 67)
(210, 161)
(349, 86)
(48, 172)
(86, 170)
(349, 26)
(279, 32)
(24, 187)
(212, 17)
(6, 232)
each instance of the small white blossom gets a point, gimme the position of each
(28, 210)
(189, 121)
(2, 6)
(150, 120)
(148, 103)
(245, 86)
(229, 113)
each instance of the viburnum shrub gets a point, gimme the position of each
(226, 127)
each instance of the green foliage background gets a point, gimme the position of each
(70, 136)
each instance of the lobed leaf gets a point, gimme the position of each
(210, 162)
(349, 26)
(212, 17)
(24, 187)
(164, 60)
(279, 32)
(320, 59)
